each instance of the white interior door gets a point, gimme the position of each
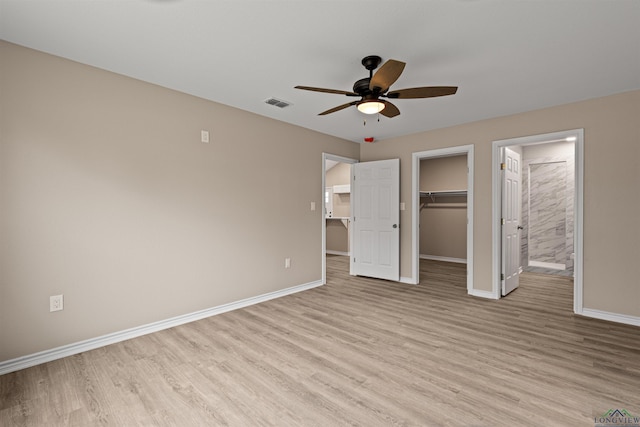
(511, 209)
(375, 196)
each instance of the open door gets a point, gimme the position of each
(511, 209)
(376, 219)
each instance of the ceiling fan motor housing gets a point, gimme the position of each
(361, 87)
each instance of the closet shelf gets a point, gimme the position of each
(433, 195)
(342, 189)
(447, 193)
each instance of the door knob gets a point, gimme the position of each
(520, 227)
(395, 225)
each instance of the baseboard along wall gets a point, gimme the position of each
(45, 356)
(443, 258)
(330, 252)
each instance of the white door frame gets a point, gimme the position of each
(325, 157)
(415, 190)
(497, 147)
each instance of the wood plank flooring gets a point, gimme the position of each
(357, 351)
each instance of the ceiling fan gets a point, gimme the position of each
(371, 89)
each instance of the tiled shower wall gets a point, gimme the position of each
(548, 186)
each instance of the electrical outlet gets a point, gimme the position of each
(56, 303)
(287, 263)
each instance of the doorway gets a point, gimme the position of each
(336, 207)
(552, 206)
(548, 172)
(443, 209)
(443, 195)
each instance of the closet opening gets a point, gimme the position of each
(443, 211)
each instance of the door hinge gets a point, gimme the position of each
(502, 277)
(503, 166)
(502, 221)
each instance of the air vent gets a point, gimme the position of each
(277, 102)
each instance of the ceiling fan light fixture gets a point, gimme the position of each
(371, 107)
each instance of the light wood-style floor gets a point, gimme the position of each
(357, 351)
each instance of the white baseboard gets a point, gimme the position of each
(330, 252)
(407, 280)
(612, 317)
(549, 265)
(443, 258)
(104, 340)
(482, 294)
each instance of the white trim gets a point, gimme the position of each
(578, 226)
(330, 252)
(104, 340)
(325, 157)
(496, 213)
(415, 194)
(496, 151)
(443, 258)
(482, 294)
(407, 280)
(549, 265)
(611, 317)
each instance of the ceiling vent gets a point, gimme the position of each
(277, 102)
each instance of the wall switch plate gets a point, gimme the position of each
(204, 136)
(402, 206)
(313, 206)
(56, 303)
(287, 263)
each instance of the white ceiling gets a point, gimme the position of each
(506, 56)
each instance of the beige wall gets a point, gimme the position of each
(337, 237)
(109, 197)
(612, 173)
(443, 223)
(443, 173)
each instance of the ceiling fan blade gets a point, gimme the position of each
(386, 75)
(389, 110)
(319, 89)
(422, 92)
(338, 108)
